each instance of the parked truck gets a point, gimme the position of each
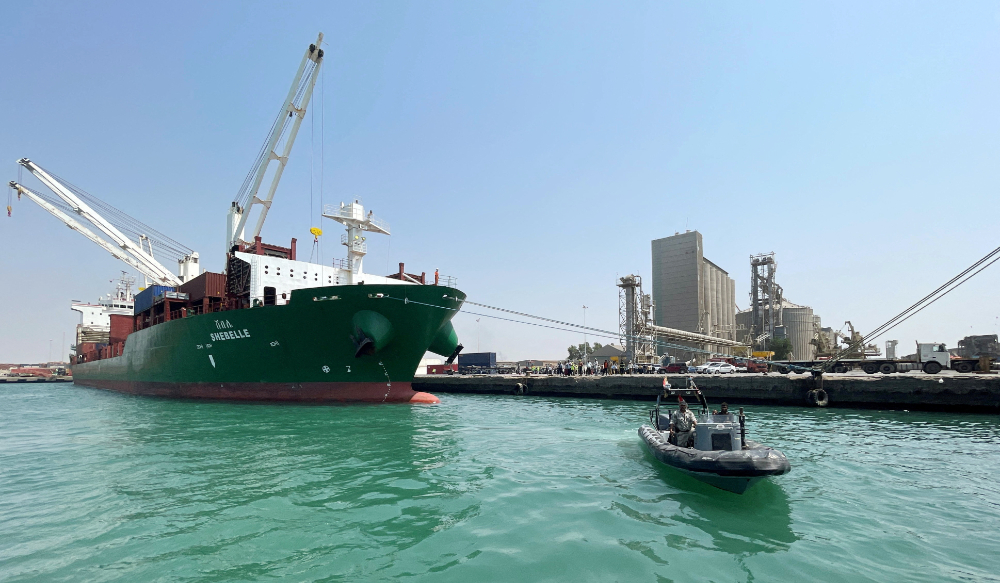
(931, 357)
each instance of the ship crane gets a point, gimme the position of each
(120, 246)
(288, 121)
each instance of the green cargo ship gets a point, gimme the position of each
(271, 328)
(339, 343)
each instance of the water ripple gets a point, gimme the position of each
(97, 486)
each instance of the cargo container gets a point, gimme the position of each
(487, 359)
(144, 299)
(477, 363)
(169, 295)
(206, 285)
(121, 327)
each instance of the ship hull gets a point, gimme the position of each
(302, 392)
(305, 350)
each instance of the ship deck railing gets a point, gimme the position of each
(447, 280)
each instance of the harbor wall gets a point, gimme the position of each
(977, 393)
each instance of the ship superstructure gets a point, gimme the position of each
(270, 327)
(94, 328)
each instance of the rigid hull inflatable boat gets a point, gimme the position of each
(721, 456)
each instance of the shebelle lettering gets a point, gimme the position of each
(230, 335)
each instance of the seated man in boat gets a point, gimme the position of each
(682, 424)
(723, 411)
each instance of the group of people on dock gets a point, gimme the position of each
(592, 368)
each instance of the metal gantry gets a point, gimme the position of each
(640, 336)
(765, 298)
(635, 321)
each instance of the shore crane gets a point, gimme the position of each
(121, 247)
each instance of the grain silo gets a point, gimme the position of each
(800, 327)
(689, 291)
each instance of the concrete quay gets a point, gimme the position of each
(52, 379)
(914, 391)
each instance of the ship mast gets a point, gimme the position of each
(289, 119)
(352, 216)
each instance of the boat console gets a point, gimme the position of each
(718, 432)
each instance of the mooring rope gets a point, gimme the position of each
(597, 331)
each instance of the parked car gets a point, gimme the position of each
(711, 366)
(716, 367)
(720, 368)
(673, 368)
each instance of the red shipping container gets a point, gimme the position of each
(208, 284)
(121, 327)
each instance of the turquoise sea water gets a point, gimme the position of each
(97, 486)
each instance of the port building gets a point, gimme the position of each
(690, 292)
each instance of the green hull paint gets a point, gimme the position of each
(275, 350)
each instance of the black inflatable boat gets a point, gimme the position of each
(722, 456)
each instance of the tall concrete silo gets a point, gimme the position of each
(690, 292)
(799, 325)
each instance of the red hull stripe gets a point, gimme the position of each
(305, 392)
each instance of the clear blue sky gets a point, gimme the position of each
(532, 150)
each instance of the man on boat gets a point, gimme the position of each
(723, 411)
(682, 424)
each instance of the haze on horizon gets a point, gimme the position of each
(531, 150)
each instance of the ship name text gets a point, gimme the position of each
(230, 335)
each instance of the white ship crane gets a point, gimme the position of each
(71, 200)
(288, 121)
